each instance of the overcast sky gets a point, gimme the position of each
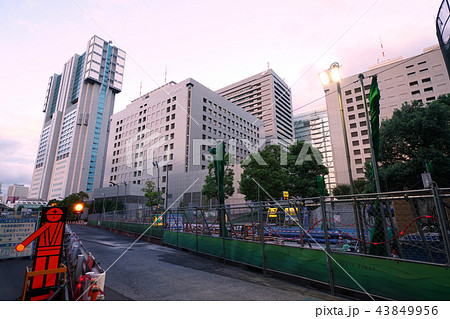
(214, 42)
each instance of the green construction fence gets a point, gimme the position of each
(389, 278)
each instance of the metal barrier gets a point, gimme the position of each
(388, 240)
(85, 276)
(407, 225)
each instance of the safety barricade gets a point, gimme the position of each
(86, 277)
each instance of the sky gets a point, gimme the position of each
(214, 42)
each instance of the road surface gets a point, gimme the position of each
(153, 272)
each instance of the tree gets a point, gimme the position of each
(110, 206)
(69, 202)
(414, 135)
(341, 189)
(304, 164)
(151, 194)
(359, 187)
(278, 169)
(210, 187)
(264, 169)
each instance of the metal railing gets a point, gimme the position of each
(406, 225)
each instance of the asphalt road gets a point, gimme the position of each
(151, 272)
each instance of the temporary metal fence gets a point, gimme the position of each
(407, 225)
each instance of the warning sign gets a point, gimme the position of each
(12, 232)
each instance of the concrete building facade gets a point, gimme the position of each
(422, 77)
(267, 97)
(313, 128)
(77, 107)
(175, 126)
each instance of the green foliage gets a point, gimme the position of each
(210, 187)
(359, 187)
(151, 194)
(341, 189)
(294, 170)
(69, 202)
(414, 135)
(110, 206)
(272, 176)
(303, 168)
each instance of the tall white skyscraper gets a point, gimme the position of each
(77, 107)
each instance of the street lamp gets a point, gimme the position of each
(125, 183)
(155, 164)
(326, 77)
(117, 195)
(103, 208)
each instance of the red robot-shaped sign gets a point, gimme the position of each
(47, 252)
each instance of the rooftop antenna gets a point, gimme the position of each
(382, 49)
(140, 90)
(268, 65)
(165, 76)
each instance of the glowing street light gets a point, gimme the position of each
(333, 74)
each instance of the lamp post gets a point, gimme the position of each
(326, 77)
(117, 195)
(125, 183)
(155, 164)
(103, 210)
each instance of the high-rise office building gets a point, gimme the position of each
(172, 129)
(16, 192)
(422, 77)
(267, 97)
(313, 128)
(77, 107)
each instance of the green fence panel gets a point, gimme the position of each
(309, 263)
(246, 252)
(170, 238)
(186, 240)
(210, 245)
(131, 227)
(395, 279)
